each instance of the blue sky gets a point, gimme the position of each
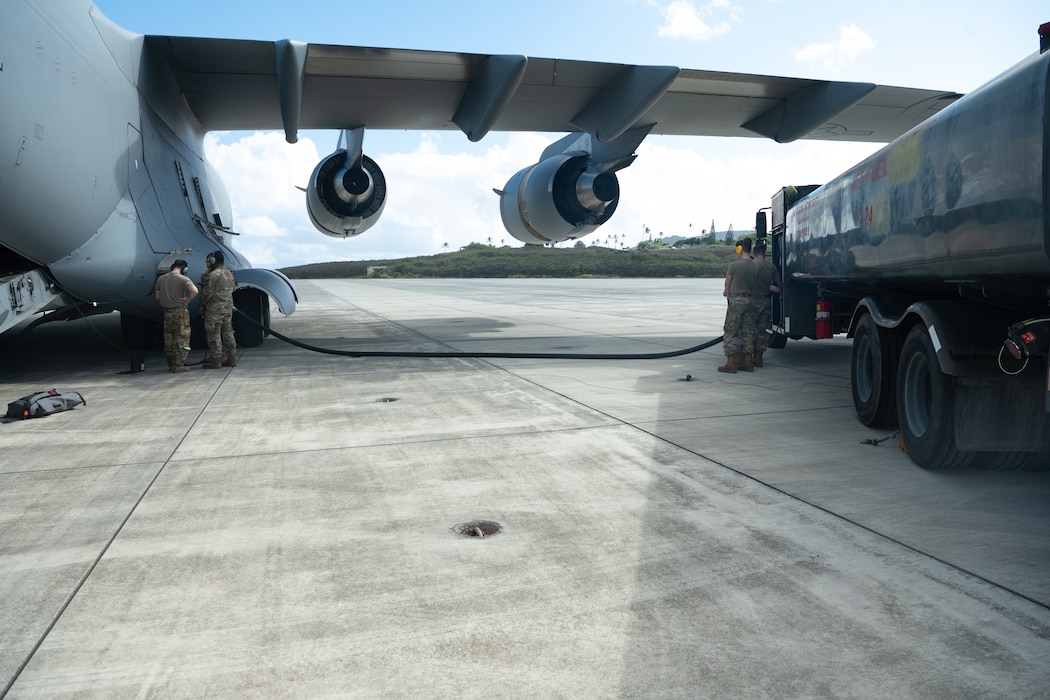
(441, 184)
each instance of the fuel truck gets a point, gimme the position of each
(933, 255)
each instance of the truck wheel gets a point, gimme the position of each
(925, 406)
(872, 374)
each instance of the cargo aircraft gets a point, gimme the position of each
(103, 179)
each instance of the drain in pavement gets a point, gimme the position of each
(477, 528)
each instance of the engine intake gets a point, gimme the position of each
(345, 199)
(560, 198)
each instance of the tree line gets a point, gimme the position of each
(479, 260)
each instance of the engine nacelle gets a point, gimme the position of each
(559, 198)
(344, 200)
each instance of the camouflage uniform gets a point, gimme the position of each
(176, 335)
(173, 291)
(739, 330)
(767, 275)
(739, 334)
(217, 302)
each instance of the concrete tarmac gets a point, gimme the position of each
(286, 528)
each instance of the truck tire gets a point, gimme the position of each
(873, 370)
(925, 406)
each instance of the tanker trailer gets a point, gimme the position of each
(933, 255)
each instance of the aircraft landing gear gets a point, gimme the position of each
(255, 304)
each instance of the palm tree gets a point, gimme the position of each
(445, 246)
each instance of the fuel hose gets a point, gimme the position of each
(490, 355)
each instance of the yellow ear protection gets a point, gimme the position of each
(739, 249)
(211, 260)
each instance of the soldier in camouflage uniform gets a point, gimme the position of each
(738, 339)
(174, 291)
(217, 308)
(767, 280)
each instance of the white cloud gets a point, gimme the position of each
(684, 20)
(263, 169)
(676, 182)
(835, 54)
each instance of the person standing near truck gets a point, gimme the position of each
(767, 279)
(738, 333)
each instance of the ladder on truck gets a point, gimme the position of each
(23, 295)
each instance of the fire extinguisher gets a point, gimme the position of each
(823, 319)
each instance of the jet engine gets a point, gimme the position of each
(562, 197)
(345, 195)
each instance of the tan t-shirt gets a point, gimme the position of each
(742, 273)
(172, 287)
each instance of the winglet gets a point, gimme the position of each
(291, 77)
(803, 111)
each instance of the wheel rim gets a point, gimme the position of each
(916, 399)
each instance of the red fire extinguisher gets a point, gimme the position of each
(823, 319)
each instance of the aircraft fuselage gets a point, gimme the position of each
(105, 176)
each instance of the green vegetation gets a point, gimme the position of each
(479, 260)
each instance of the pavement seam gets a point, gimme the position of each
(105, 548)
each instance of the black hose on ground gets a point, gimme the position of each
(501, 355)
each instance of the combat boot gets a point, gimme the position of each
(730, 365)
(757, 361)
(230, 360)
(212, 363)
(179, 368)
(745, 363)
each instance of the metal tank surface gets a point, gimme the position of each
(959, 198)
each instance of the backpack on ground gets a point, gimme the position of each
(43, 403)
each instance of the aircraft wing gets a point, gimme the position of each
(245, 85)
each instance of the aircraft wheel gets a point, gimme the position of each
(872, 369)
(925, 406)
(777, 341)
(255, 304)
